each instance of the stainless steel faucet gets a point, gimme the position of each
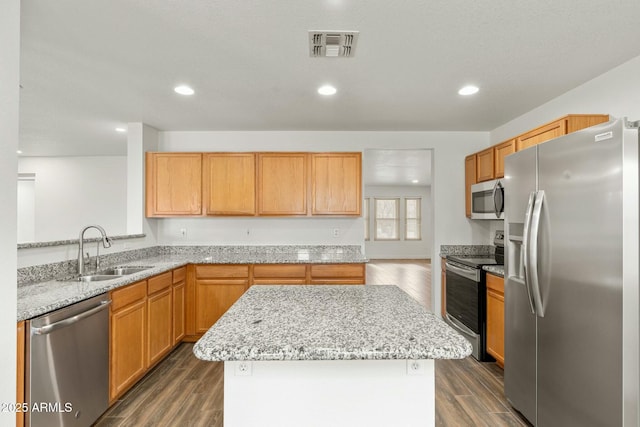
(106, 242)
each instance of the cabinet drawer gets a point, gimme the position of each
(159, 282)
(207, 271)
(179, 274)
(337, 270)
(278, 281)
(128, 295)
(496, 283)
(280, 270)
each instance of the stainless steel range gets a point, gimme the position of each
(466, 296)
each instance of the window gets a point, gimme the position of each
(367, 221)
(386, 219)
(412, 219)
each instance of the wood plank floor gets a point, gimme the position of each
(184, 391)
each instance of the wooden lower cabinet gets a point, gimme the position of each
(128, 337)
(337, 274)
(279, 274)
(160, 326)
(495, 317)
(179, 300)
(147, 321)
(217, 287)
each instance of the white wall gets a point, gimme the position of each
(397, 249)
(449, 150)
(616, 92)
(74, 191)
(9, 107)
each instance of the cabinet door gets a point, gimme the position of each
(576, 122)
(495, 318)
(542, 134)
(159, 326)
(179, 295)
(501, 151)
(282, 184)
(128, 343)
(469, 180)
(334, 274)
(213, 299)
(336, 183)
(229, 183)
(484, 167)
(173, 184)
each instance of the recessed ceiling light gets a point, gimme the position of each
(184, 90)
(121, 130)
(468, 90)
(327, 90)
(19, 151)
(415, 181)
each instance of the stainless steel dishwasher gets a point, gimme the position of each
(68, 369)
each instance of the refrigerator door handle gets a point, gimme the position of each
(526, 237)
(533, 252)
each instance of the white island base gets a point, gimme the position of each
(323, 393)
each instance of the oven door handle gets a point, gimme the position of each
(467, 274)
(458, 324)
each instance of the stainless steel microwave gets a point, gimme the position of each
(487, 200)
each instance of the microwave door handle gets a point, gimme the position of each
(525, 249)
(533, 252)
(496, 188)
(493, 197)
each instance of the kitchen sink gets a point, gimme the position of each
(123, 271)
(97, 277)
(109, 273)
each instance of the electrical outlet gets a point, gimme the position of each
(335, 232)
(183, 232)
(415, 367)
(243, 369)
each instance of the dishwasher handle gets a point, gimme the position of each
(43, 330)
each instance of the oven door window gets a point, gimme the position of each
(463, 301)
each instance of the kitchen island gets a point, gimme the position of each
(329, 356)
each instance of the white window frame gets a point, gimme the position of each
(397, 219)
(418, 219)
(366, 213)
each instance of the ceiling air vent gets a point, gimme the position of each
(332, 43)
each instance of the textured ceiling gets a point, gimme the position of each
(90, 66)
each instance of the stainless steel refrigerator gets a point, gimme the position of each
(571, 278)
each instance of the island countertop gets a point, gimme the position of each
(323, 322)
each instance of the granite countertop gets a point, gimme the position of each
(498, 270)
(35, 299)
(323, 322)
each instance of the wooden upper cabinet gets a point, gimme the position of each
(501, 151)
(282, 183)
(336, 183)
(562, 126)
(469, 180)
(173, 184)
(484, 165)
(229, 181)
(542, 134)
